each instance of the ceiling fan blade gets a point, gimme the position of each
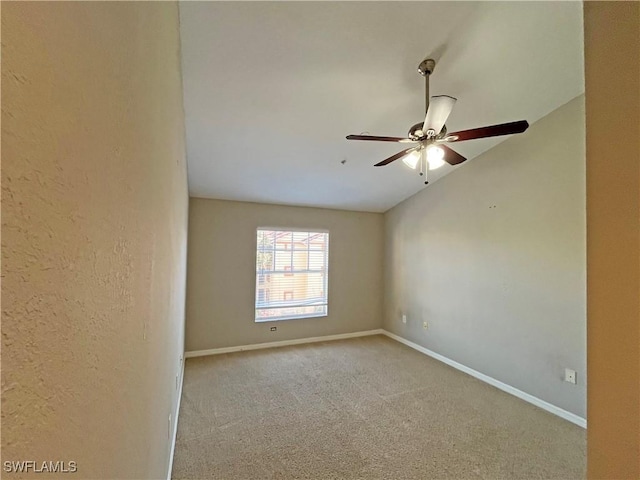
(395, 157)
(379, 139)
(451, 156)
(439, 110)
(490, 131)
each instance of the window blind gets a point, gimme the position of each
(292, 270)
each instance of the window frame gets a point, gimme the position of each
(324, 273)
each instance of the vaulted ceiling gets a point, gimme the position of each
(271, 89)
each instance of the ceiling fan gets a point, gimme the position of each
(431, 135)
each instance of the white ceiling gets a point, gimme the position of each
(272, 88)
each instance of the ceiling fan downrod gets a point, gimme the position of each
(426, 69)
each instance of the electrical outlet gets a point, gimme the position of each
(404, 318)
(425, 325)
(570, 375)
(273, 329)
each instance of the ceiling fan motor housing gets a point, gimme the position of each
(416, 133)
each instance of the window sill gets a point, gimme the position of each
(284, 319)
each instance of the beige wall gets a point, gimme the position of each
(94, 218)
(222, 269)
(492, 256)
(612, 75)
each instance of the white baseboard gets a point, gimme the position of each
(572, 417)
(176, 414)
(282, 343)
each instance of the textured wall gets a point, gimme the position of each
(612, 91)
(493, 257)
(94, 219)
(222, 272)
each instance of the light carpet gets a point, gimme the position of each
(364, 408)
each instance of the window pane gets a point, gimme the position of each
(316, 261)
(265, 238)
(283, 240)
(300, 239)
(264, 260)
(318, 241)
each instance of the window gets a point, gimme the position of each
(292, 266)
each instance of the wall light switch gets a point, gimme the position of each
(404, 318)
(569, 375)
(425, 325)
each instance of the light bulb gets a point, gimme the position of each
(435, 157)
(412, 159)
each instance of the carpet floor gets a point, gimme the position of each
(363, 408)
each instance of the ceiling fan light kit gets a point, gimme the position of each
(435, 157)
(412, 159)
(431, 134)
